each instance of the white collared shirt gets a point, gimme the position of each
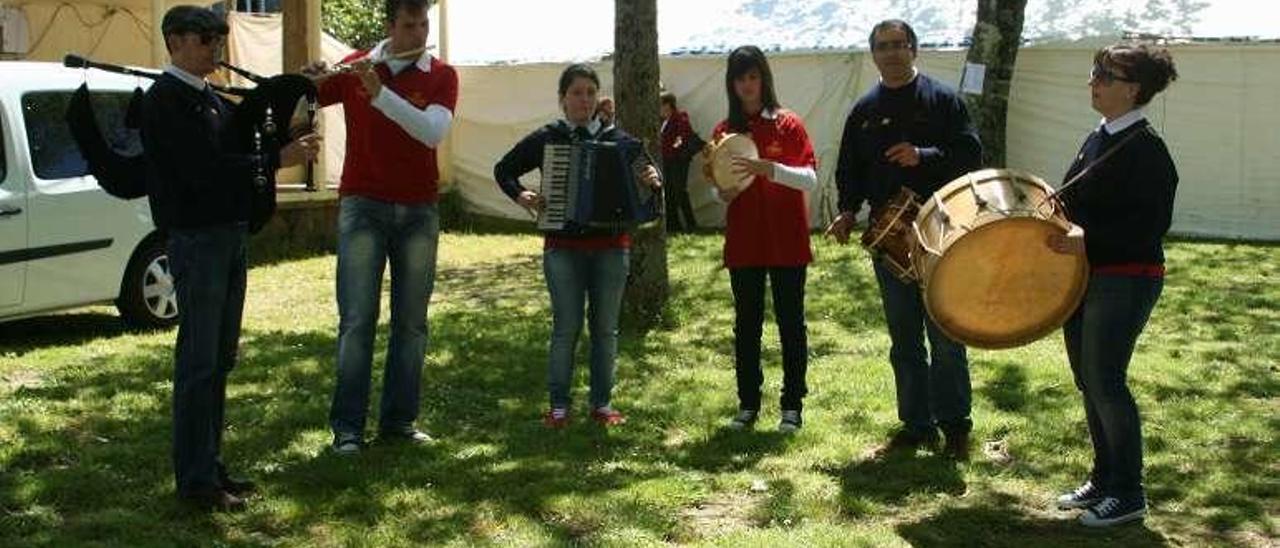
(915, 73)
(1124, 121)
(593, 126)
(188, 78)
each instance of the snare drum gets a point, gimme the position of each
(989, 278)
(889, 236)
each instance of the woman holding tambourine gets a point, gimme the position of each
(767, 229)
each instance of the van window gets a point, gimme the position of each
(54, 154)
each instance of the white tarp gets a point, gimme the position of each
(1219, 119)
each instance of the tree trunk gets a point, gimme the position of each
(635, 82)
(996, 37)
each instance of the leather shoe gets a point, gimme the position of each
(213, 501)
(956, 446)
(238, 486)
(413, 436)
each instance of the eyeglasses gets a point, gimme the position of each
(217, 40)
(1104, 76)
(891, 45)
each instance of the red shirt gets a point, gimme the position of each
(768, 224)
(383, 161)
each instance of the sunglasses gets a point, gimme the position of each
(1105, 76)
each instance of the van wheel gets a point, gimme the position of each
(147, 297)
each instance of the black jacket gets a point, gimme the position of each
(926, 113)
(197, 172)
(1125, 203)
(526, 156)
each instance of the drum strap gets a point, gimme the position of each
(1079, 176)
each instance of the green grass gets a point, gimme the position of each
(84, 423)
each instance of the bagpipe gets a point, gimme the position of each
(266, 117)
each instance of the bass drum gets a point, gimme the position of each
(989, 278)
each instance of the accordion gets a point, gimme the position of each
(593, 184)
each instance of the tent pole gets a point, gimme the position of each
(444, 152)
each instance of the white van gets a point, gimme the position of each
(64, 242)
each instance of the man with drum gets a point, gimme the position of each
(909, 132)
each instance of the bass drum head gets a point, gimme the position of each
(729, 146)
(1001, 286)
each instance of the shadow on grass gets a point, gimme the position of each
(61, 329)
(1003, 523)
(892, 479)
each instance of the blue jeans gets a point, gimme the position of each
(787, 284)
(595, 279)
(372, 233)
(933, 388)
(208, 266)
(1100, 337)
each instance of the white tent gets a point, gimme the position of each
(1219, 119)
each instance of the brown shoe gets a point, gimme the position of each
(957, 446)
(213, 501)
(905, 441)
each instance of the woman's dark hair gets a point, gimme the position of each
(1151, 67)
(741, 61)
(391, 9)
(894, 24)
(575, 71)
(668, 99)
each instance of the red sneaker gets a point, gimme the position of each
(551, 419)
(607, 416)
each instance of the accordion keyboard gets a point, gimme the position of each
(556, 164)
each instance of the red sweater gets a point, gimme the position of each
(677, 127)
(768, 224)
(383, 161)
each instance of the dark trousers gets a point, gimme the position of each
(209, 271)
(675, 174)
(1100, 338)
(788, 308)
(933, 388)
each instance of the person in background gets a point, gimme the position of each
(677, 144)
(604, 112)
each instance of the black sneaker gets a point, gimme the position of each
(1114, 511)
(906, 440)
(791, 421)
(1083, 497)
(346, 445)
(746, 418)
